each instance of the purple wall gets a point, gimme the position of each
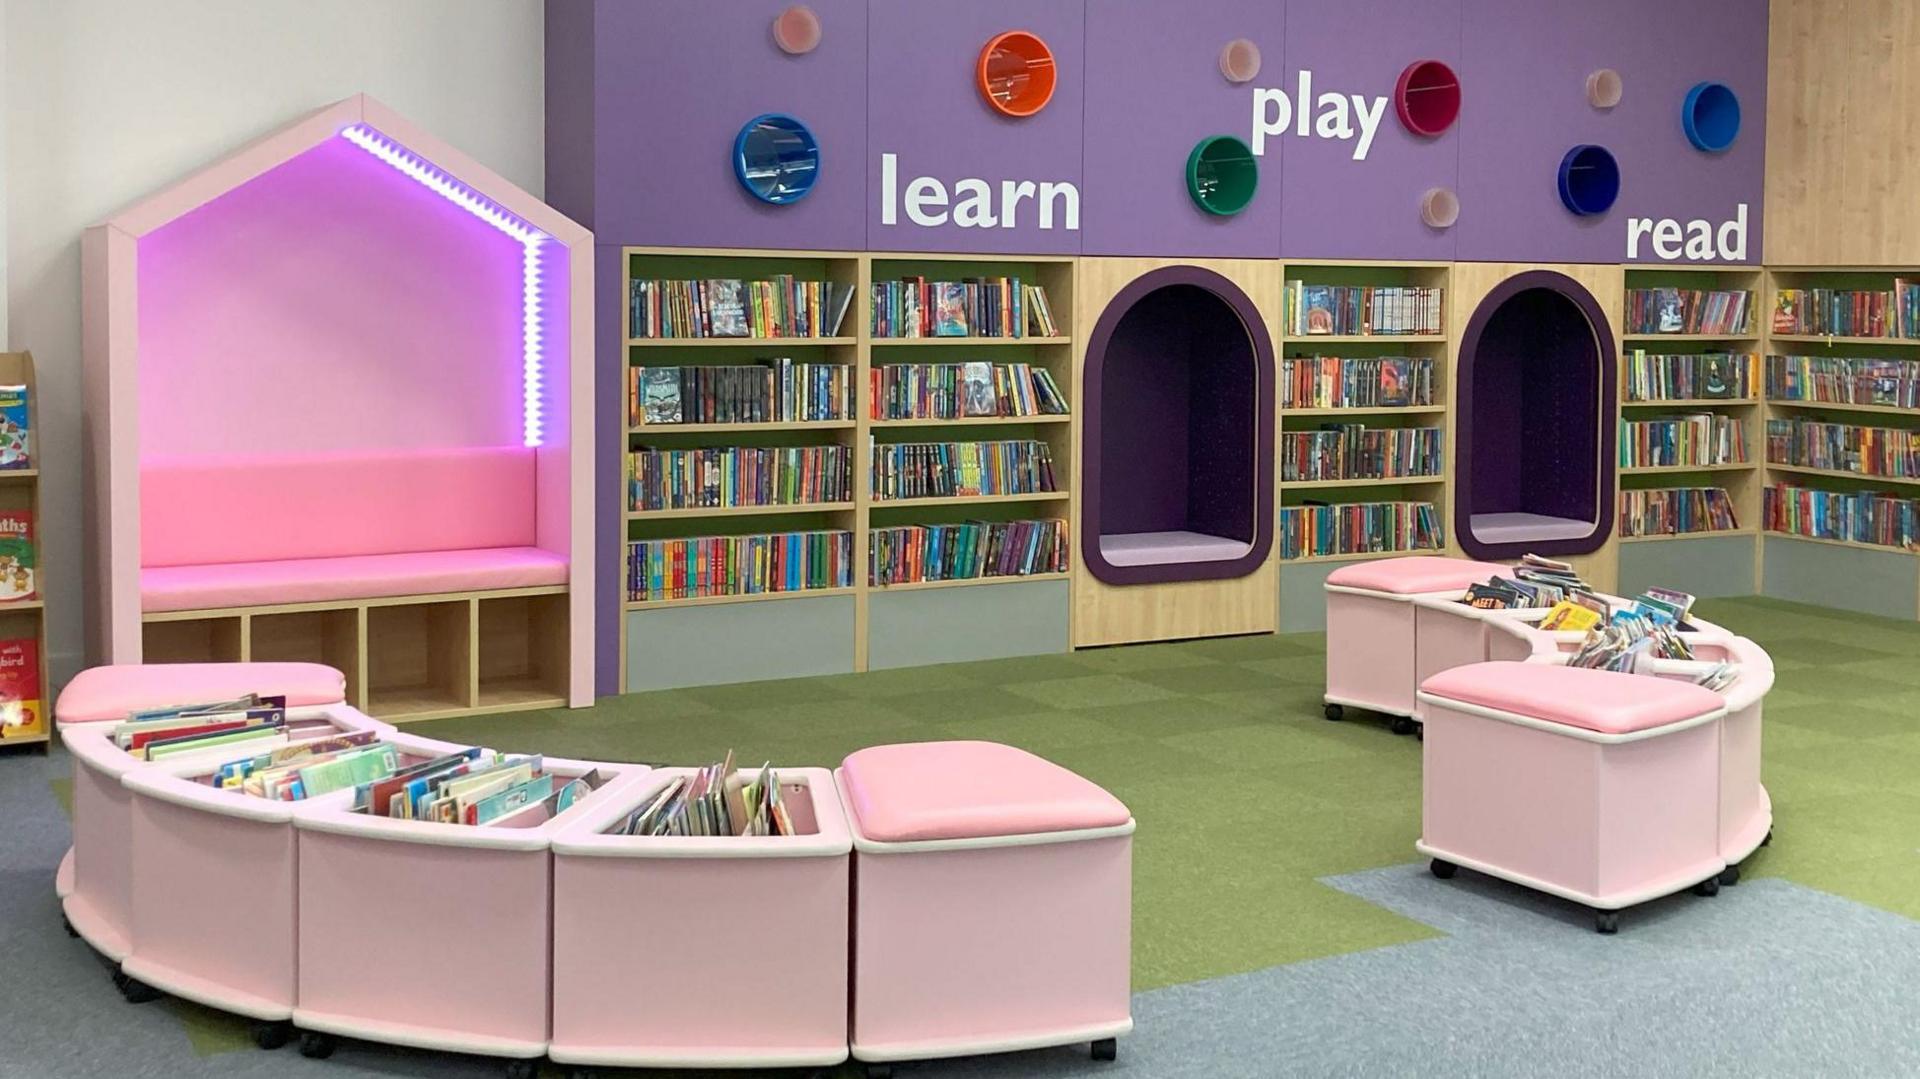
(1139, 85)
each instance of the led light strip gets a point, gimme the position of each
(529, 238)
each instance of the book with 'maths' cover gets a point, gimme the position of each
(18, 556)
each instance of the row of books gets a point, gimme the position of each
(1358, 528)
(1537, 583)
(1698, 438)
(1875, 517)
(1844, 380)
(473, 786)
(703, 566)
(1354, 451)
(973, 307)
(1688, 376)
(1646, 630)
(1672, 511)
(1363, 309)
(1685, 310)
(780, 306)
(948, 391)
(1849, 312)
(156, 733)
(1355, 382)
(769, 391)
(1844, 447)
(724, 477)
(715, 801)
(961, 469)
(959, 552)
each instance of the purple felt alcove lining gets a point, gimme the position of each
(1533, 431)
(1177, 423)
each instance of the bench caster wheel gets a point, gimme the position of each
(1443, 869)
(271, 1034)
(1106, 1049)
(1709, 887)
(1606, 921)
(879, 1071)
(1336, 713)
(315, 1045)
(581, 1073)
(1767, 840)
(67, 924)
(1403, 725)
(1419, 732)
(1730, 876)
(133, 990)
(522, 1069)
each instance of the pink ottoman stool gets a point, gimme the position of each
(992, 903)
(698, 952)
(1372, 658)
(1598, 787)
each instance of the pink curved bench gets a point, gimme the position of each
(1374, 656)
(1026, 871)
(107, 694)
(1596, 786)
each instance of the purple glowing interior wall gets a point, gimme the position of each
(1535, 394)
(333, 303)
(1177, 441)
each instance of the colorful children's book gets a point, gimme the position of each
(976, 390)
(727, 308)
(660, 394)
(950, 309)
(15, 435)
(18, 556)
(21, 711)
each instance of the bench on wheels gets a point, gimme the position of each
(1595, 786)
(1373, 653)
(992, 904)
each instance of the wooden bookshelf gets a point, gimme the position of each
(1842, 474)
(1855, 544)
(1695, 402)
(1366, 339)
(1722, 338)
(1368, 410)
(861, 351)
(20, 491)
(1829, 406)
(1664, 470)
(1700, 534)
(1390, 481)
(1829, 341)
(1360, 556)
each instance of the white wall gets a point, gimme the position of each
(105, 101)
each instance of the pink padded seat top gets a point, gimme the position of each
(101, 694)
(321, 580)
(1419, 573)
(969, 790)
(1606, 702)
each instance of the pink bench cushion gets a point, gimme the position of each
(969, 790)
(319, 580)
(273, 509)
(1417, 573)
(1607, 702)
(100, 694)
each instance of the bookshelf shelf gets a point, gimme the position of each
(1741, 338)
(1655, 470)
(1359, 556)
(1832, 406)
(1401, 481)
(740, 511)
(973, 421)
(19, 474)
(1820, 339)
(1694, 402)
(966, 342)
(756, 597)
(1689, 535)
(1376, 410)
(732, 428)
(915, 586)
(734, 342)
(1855, 544)
(1904, 481)
(971, 500)
(1368, 339)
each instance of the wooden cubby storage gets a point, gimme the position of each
(330, 636)
(420, 659)
(195, 637)
(520, 647)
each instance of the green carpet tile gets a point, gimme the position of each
(1246, 796)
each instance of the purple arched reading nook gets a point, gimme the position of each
(1534, 450)
(1177, 433)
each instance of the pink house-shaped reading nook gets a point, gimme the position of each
(338, 408)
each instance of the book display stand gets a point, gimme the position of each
(428, 502)
(23, 622)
